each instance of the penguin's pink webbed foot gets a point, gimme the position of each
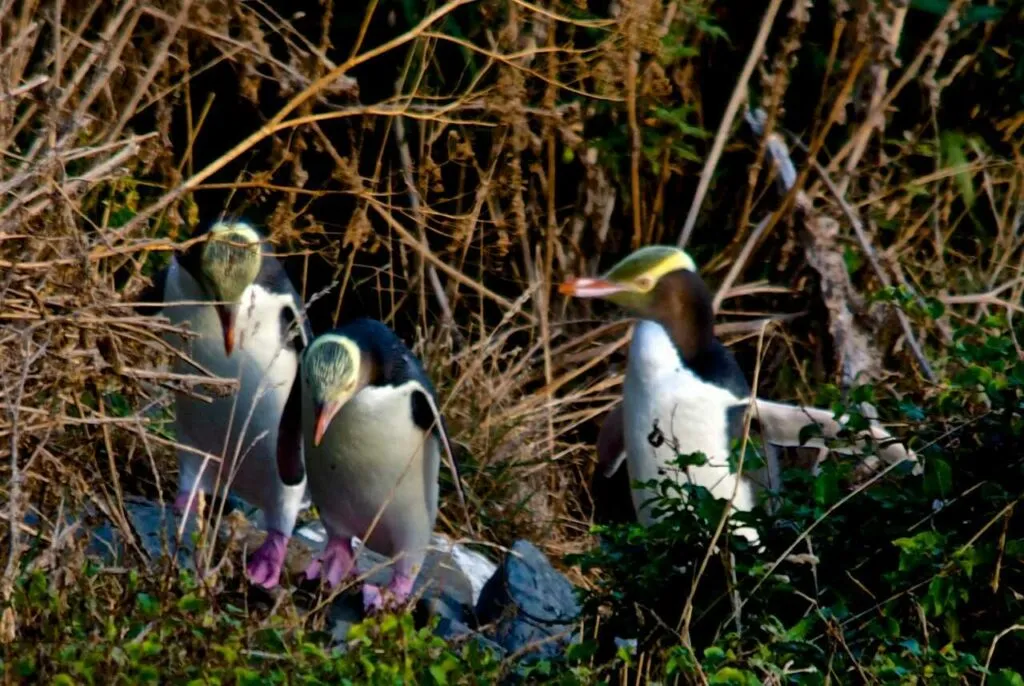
(264, 568)
(399, 589)
(334, 564)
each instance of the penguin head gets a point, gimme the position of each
(333, 370)
(658, 283)
(229, 263)
(635, 283)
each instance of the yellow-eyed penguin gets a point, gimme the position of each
(372, 438)
(683, 391)
(248, 325)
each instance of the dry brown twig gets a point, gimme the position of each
(739, 96)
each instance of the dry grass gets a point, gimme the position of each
(450, 205)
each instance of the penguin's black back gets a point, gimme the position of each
(394, 364)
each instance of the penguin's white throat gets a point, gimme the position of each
(258, 319)
(652, 352)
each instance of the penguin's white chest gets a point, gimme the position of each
(374, 458)
(260, 343)
(669, 411)
(240, 426)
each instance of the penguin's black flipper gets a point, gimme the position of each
(290, 464)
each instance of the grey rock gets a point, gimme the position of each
(153, 527)
(346, 611)
(448, 585)
(477, 567)
(531, 605)
(156, 529)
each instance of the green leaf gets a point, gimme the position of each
(954, 154)
(936, 308)
(229, 654)
(245, 677)
(714, 654)
(971, 15)
(938, 478)
(952, 625)
(147, 604)
(968, 560)
(731, 675)
(439, 675)
(677, 117)
(939, 594)
(388, 624)
(911, 411)
(1006, 677)
(440, 671)
(826, 487)
(853, 259)
(799, 630)
(912, 646)
(980, 13)
(680, 659)
(190, 602)
(918, 549)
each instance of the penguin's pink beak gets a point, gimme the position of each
(585, 287)
(228, 315)
(323, 415)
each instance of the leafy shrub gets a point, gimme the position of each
(907, 579)
(107, 627)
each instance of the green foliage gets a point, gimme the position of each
(132, 628)
(954, 156)
(911, 579)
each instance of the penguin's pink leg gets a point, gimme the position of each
(264, 568)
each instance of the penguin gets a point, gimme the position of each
(684, 392)
(372, 435)
(248, 324)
